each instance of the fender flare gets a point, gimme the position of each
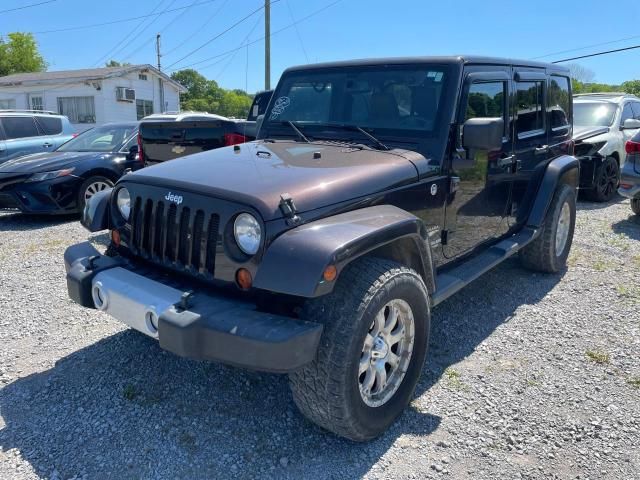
(95, 216)
(561, 170)
(294, 263)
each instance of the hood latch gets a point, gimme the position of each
(288, 209)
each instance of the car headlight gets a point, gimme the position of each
(248, 233)
(42, 176)
(123, 201)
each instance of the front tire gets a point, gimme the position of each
(375, 339)
(90, 187)
(635, 205)
(549, 251)
(606, 181)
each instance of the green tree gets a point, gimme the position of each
(631, 86)
(114, 63)
(19, 54)
(195, 83)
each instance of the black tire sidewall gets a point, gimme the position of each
(635, 205)
(85, 185)
(378, 419)
(599, 195)
(564, 195)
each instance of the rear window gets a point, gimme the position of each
(178, 132)
(50, 125)
(19, 127)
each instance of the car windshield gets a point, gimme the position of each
(397, 100)
(593, 114)
(101, 139)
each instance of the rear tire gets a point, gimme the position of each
(635, 205)
(549, 251)
(335, 391)
(606, 181)
(90, 187)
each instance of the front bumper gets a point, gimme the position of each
(629, 181)
(588, 167)
(57, 196)
(203, 325)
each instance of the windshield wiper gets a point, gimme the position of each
(378, 143)
(297, 130)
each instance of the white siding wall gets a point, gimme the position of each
(108, 109)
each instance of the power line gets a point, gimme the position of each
(587, 46)
(243, 44)
(198, 30)
(246, 17)
(27, 6)
(121, 20)
(597, 54)
(291, 25)
(297, 31)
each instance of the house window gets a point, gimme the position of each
(144, 108)
(37, 102)
(78, 109)
(9, 104)
(142, 76)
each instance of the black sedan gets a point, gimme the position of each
(63, 180)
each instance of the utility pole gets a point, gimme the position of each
(160, 78)
(267, 44)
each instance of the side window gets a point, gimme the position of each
(529, 98)
(627, 112)
(636, 110)
(559, 103)
(487, 99)
(50, 125)
(131, 143)
(20, 127)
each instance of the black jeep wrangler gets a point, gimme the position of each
(376, 190)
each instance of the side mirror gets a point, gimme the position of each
(630, 124)
(133, 152)
(483, 134)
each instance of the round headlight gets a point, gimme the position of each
(123, 200)
(248, 233)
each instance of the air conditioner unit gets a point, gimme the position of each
(124, 94)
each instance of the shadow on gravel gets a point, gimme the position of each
(20, 222)
(629, 227)
(585, 204)
(123, 408)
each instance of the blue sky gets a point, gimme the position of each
(349, 29)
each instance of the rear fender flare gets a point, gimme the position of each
(561, 170)
(295, 262)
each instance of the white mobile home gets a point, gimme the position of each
(95, 96)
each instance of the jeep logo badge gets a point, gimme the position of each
(170, 197)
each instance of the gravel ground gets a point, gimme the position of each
(528, 376)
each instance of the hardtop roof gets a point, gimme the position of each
(452, 60)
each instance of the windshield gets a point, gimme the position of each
(399, 100)
(595, 114)
(101, 139)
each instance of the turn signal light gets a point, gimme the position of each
(243, 278)
(330, 273)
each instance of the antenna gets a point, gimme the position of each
(267, 44)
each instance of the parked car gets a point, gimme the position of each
(603, 123)
(169, 136)
(377, 189)
(630, 178)
(30, 131)
(62, 181)
(259, 105)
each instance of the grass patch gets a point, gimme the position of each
(634, 382)
(574, 257)
(618, 240)
(630, 293)
(454, 379)
(130, 392)
(597, 356)
(636, 260)
(599, 265)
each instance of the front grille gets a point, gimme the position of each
(178, 237)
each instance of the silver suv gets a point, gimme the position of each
(603, 123)
(32, 131)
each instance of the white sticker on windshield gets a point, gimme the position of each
(280, 106)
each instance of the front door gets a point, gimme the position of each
(480, 180)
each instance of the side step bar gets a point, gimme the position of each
(453, 280)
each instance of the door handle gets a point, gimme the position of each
(47, 144)
(542, 149)
(506, 161)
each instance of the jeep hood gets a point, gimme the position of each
(315, 175)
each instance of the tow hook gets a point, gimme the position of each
(92, 262)
(185, 301)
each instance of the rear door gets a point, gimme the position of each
(530, 135)
(52, 127)
(23, 136)
(480, 180)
